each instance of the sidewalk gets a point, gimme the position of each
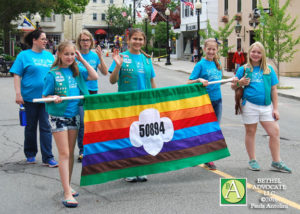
(187, 67)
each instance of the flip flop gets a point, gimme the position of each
(74, 193)
(72, 203)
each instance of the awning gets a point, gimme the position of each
(100, 32)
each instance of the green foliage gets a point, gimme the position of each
(276, 33)
(160, 36)
(117, 23)
(156, 51)
(221, 34)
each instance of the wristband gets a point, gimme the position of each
(237, 84)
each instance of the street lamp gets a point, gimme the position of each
(198, 6)
(129, 19)
(37, 19)
(167, 12)
(238, 29)
(146, 32)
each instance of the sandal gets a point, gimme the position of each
(74, 193)
(71, 203)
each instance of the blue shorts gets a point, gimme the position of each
(59, 124)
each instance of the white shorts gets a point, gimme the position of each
(254, 113)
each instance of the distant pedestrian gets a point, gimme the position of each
(66, 79)
(238, 59)
(206, 70)
(260, 104)
(30, 69)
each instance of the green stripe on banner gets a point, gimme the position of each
(153, 168)
(143, 97)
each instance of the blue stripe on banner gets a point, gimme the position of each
(111, 145)
(139, 151)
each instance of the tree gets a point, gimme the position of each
(276, 33)
(117, 22)
(11, 10)
(221, 34)
(161, 7)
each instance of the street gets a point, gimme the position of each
(33, 189)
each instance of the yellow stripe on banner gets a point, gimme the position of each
(260, 191)
(123, 112)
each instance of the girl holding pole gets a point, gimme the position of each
(133, 70)
(66, 79)
(206, 70)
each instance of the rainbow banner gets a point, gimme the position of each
(146, 132)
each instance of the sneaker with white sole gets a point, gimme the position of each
(142, 178)
(31, 160)
(253, 165)
(131, 179)
(210, 165)
(51, 163)
(280, 167)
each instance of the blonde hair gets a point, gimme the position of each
(58, 63)
(86, 33)
(216, 57)
(263, 63)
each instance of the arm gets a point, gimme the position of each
(102, 66)
(203, 81)
(92, 74)
(114, 77)
(153, 84)
(274, 97)
(17, 85)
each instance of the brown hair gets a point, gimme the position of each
(33, 35)
(86, 33)
(216, 57)
(138, 30)
(60, 49)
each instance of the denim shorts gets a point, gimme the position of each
(59, 124)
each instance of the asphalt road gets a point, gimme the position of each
(32, 189)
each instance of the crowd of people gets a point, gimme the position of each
(74, 72)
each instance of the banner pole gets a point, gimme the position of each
(52, 99)
(82, 97)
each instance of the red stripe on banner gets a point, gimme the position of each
(114, 134)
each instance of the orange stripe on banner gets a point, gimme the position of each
(120, 123)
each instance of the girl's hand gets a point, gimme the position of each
(99, 51)
(204, 82)
(78, 56)
(244, 81)
(57, 99)
(275, 115)
(19, 99)
(117, 58)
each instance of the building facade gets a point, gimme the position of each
(187, 40)
(249, 19)
(93, 19)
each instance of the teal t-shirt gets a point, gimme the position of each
(49, 88)
(93, 59)
(138, 60)
(208, 70)
(32, 67)
(255, 91)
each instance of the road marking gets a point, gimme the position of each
(250, 186)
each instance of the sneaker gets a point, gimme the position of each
(131, 179)
(80, 157)
(210, 166)
(280, 167)
(253, 165)
(30, 160)
(51, 163)
(142, 178)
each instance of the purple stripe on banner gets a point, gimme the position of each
(137, 152)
